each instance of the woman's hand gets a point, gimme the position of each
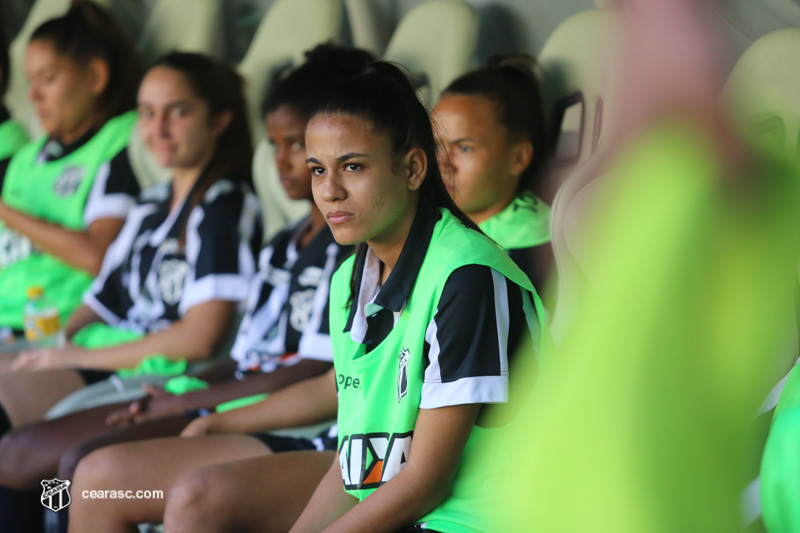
(199, 427)
(156, 402)
(70, 356)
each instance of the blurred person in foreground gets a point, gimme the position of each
(643, 421)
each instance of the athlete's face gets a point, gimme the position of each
(286, 132)
(479, 159)
(64, 93)
(174, 122)
(365, 191)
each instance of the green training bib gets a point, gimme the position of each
(524, 223)
(55, 191)
(376, 420)
(12, 138)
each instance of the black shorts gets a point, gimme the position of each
(90, 376)
(278, 443)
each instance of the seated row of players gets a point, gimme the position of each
(182, 258)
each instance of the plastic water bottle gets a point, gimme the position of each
(42, 320)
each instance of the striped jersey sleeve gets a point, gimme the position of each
(286, 319)
(315, 343)
(219, 235)
(113, 192)
(477, 324)
(109, 295)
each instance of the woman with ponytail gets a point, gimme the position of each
(170, 283)
(426, 327)
(494, 151)
(425, 319)
(65, 196)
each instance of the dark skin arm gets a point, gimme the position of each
(158, 403)
(307, 402)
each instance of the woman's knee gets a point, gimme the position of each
(98, 465)
(23, 459)
(191, 498)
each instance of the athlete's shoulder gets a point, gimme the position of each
(455, 245)
(227, 190)
(27, 153)
(345, 268)
(280, 241)
(115, 133)
(123, 121)
(12, 137)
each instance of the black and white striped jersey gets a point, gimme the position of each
(152, 275)
(287, 309)
(478, 323)
(114, 191)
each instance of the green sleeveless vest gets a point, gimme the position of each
(12, 137)
(55, 191)
(375, 428)
(524, 223)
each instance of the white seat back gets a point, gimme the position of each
(289, 28)
(763, 89)
(367, 26)
(185, 25)
(436, 42)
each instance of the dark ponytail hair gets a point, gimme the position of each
(509, 82)
(88, 31)
(383, 96)
(222, 89)
(300, 87)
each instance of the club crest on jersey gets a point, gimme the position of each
(302, 303)
(69, 181)
(55, 494)
(171, 276)
(402, 375)
(311, 276)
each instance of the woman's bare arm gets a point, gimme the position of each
(161, 404)
(81, 249)
(328, 503)
(310, 401)
(440, 436)
(194, 337)
(79, 319)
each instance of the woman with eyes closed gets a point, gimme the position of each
(64, 197)
(493, 154)
(169, 285)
